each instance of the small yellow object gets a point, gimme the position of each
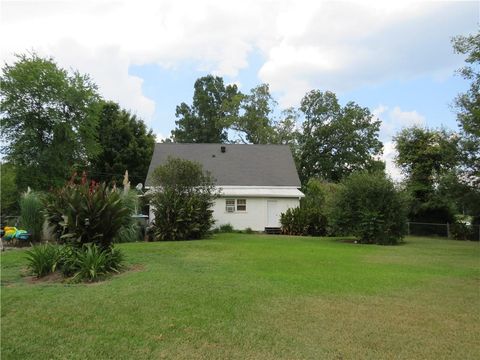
(10, 230)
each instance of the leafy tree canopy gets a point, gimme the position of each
(468, 106)
(424, 154)
(336, 140)
(125, 143)
(49, 120)
(255, 124)
(9, 195)
(425, 157)
(214, 108)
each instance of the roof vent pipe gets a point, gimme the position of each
(223, 149)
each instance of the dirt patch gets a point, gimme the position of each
(134, 268)
(55, 277)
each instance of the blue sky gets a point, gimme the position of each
(430, 97)
(394, 57)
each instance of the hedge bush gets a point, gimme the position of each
(310, 218)
(368, 206)
(182, 202)
(304, 221)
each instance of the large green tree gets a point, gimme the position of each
(336, 140)
(255, 125)
(125, 143)
(468, 104)
(214, 109)
(9, 195)
(258, 123)
(48, 118)
(425, 157)
(285, 130)
(468, 115)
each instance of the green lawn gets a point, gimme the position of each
(255, 297)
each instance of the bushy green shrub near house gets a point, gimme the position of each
(368, 206)
(310, 218)
(130, 231)
(304, 221)
(182, 201)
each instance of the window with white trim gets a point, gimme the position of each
(230, 205)
(241, 204)
(235, 205)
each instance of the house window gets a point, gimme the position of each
(241, 205)
(232, 205)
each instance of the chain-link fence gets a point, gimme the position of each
(456, 231)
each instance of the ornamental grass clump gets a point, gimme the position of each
(31, 214)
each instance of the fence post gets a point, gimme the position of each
(448, 230)
(408, 228)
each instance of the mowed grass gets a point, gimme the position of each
(239, 296)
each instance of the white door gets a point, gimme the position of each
(273, 214)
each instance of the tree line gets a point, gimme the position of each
(54, 121)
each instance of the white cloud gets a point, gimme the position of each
(159, 137)
(342, 45)
(305, 44)
(109, 69)
(393, 120)
(389, 154)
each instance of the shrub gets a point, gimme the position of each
(226, 228)
(31, 214)
(88, 263)
(183, 200)
(82, 213)
(115, 260)
(43, 259)
(91, 262)
(368, 206)
(309, 218)
(249, 231)
(462, 231)
(132, 230)
(304, 221)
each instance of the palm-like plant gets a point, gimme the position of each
(82, 213)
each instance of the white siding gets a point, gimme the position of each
(255, 217)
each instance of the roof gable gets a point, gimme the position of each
(240, 165)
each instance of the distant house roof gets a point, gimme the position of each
(239, 165)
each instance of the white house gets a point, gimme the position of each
(257, 182)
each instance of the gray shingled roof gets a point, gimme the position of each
(241, 165)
